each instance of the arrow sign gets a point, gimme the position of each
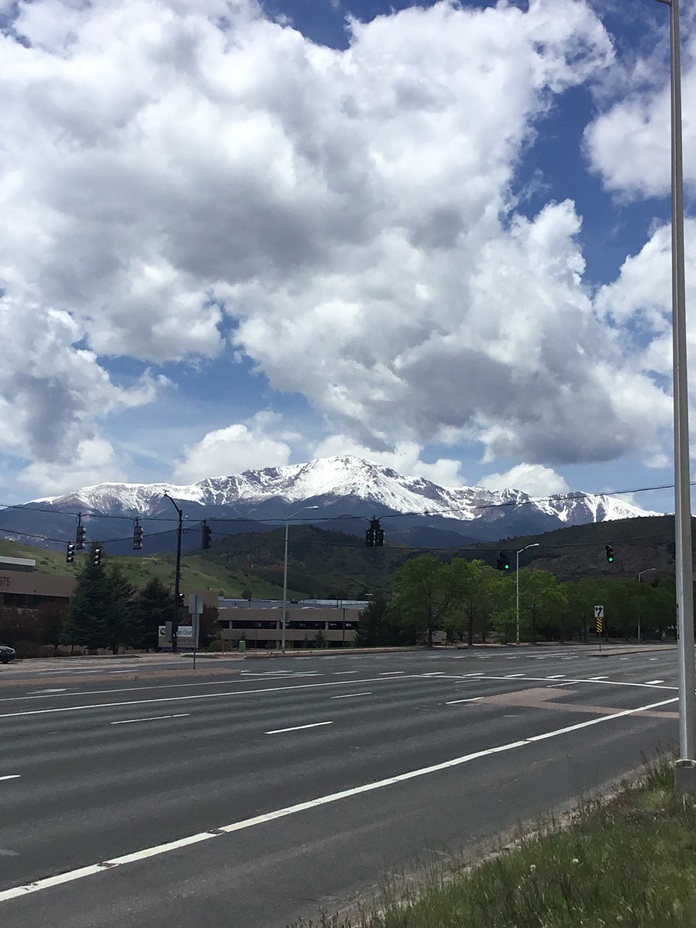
(599, 612)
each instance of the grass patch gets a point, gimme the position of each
(627, 861)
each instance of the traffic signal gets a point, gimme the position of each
(80, 536)
(70, 553)
(610, 553)
(374, 536)
(206, 536)
(96, 556)
(503, 562)
(182, 599)
(137, 536)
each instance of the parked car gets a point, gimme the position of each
(7, 654)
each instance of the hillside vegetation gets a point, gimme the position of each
(328, 564)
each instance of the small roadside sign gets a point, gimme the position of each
(599, 619)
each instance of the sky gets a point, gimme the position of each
(238, 234)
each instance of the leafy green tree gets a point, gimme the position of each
(423, 593)
(542, 600)
(477, 594)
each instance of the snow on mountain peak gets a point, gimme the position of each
(345, 477)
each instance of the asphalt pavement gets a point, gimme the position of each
(250, 794)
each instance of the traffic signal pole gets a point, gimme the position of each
(177, 574)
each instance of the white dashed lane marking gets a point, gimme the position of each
(351, 695)
(152, 718)
(280, 731)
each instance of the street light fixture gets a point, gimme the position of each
(517, 585)
(285, 573)
(685, 766)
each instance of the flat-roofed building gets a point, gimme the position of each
(328, 623)
(23, 587)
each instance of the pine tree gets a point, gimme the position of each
(86, 622)
(120, 608)
(152, 607)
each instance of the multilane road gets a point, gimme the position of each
(253, 793)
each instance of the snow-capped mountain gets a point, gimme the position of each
(338, 492)
(330, 480)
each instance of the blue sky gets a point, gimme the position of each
(239, 234)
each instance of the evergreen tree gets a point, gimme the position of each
(119, 608)
(153, 606)
(375, 628)
(86, 621)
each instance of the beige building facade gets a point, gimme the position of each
(259, 623)
(23, 588)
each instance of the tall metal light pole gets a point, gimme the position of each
(517, 586)
(685, 767)
(177, 574)
(285, 574)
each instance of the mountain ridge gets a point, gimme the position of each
(339, 493)
(342, 476)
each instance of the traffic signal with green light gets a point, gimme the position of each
(503, 562)
(610, 553)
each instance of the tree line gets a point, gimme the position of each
(465, 600)
(106, 611)
(469, 600)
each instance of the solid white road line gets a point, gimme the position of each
(280, 731)
(156, 851)
(653, 682)
(455, 702)
(152, 718)
(11, 776)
